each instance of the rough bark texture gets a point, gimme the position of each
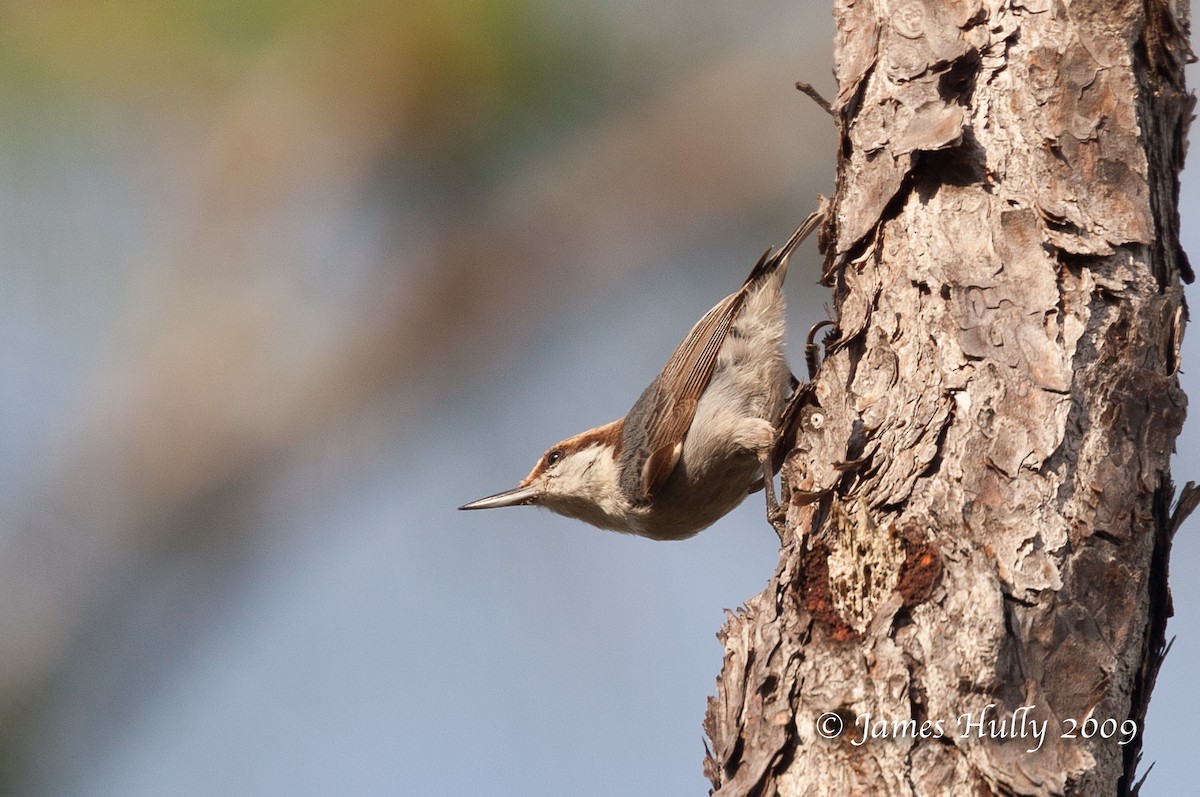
(981, 500)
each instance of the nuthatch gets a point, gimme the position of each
(698, 440)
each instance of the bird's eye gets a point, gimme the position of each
(554, 456)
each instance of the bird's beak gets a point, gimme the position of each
(518, 496)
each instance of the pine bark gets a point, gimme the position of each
(980, 513)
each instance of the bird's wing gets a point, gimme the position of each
(676, 392)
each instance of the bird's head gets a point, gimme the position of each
(578, 478)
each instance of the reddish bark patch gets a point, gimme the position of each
(812, 586)
(920, 573)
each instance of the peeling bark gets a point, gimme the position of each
(981, 497)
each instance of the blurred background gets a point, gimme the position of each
(284, 283)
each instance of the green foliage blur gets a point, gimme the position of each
(477, 84)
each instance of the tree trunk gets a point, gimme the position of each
(973, 587)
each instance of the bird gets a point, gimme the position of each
(700, 437)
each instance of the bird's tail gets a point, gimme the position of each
(772, 260)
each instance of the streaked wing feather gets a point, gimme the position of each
(691, 367)
(659, 466)
(687, 373)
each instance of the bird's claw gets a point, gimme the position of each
(777, 517)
